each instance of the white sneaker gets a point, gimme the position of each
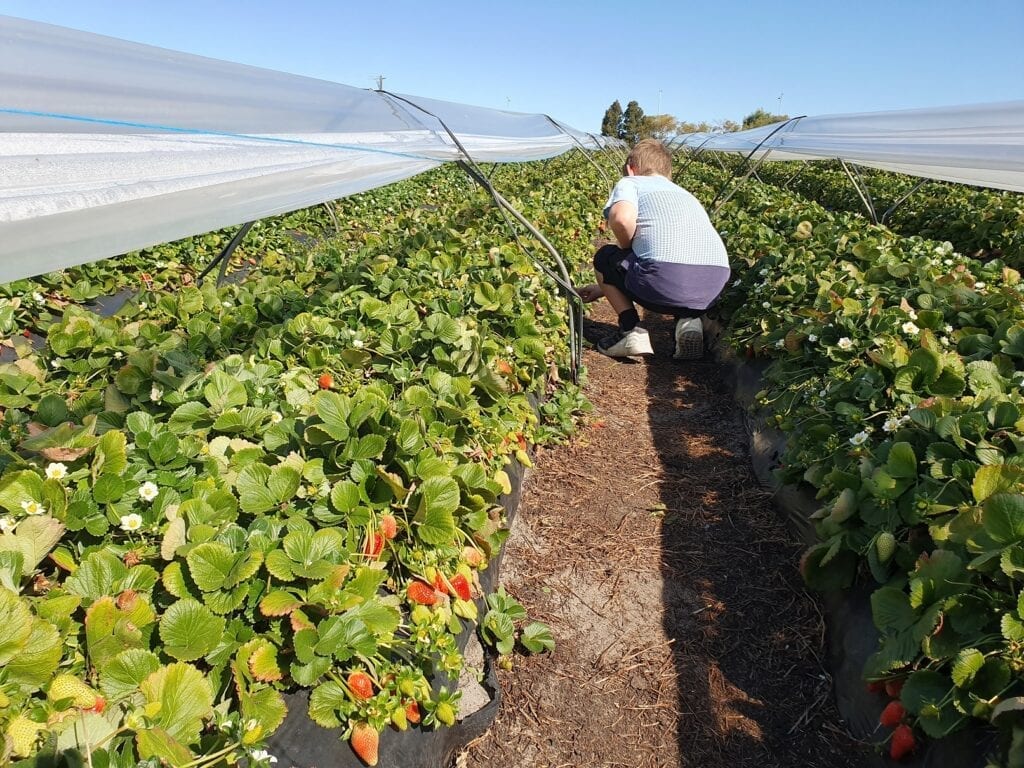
(689, 339)
(619, 344)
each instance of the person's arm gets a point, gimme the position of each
(622, 220)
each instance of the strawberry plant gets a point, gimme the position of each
(895, 374)
(193, 524)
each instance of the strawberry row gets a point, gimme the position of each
(895, 365)
(221, 494)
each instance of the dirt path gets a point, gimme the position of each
(685, 636)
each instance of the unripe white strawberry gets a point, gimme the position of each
(66, 686)
(22, 734)
(885, 546)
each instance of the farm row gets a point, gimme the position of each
(896, 365)
(978, 222)
(216, 494)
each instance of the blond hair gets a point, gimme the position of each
(650, 157)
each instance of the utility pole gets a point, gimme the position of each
(380, 82)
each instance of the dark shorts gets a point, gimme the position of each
(613, 263)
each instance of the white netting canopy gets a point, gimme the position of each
(108, 146)
(980, 144)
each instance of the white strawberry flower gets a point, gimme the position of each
(7, 524)
(910, 328)
(118, 355)
(859, 439)
(912, 314)
(979, 285)
(143, 305)
(780, 343)
(148, 491)
(509, 349)
(156, 394)
(812, 338)
(131, 522)
(33, 507)
(261, 755)
(845, 343)
(357, 343)
(37, 297)
(276, 417)
(891, 424)
(766, 304)
(763, 272)
(56, 471)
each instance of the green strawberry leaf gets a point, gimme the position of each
(122, 675)
(185, 700)
(536, 637)
(439, 498)
(189, 630)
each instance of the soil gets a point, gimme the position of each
(685, 636)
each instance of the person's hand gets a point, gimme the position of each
(590, 292)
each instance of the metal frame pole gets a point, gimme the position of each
(752, 168)
(574, 301)
(695, 152)
(803, 165)
(225, 255)
(579, 146)
(865, 194)
(898, 203)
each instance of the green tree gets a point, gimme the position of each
(632, 123)
(760, 117)
(660, 127)
(612, 121)
(686, 126)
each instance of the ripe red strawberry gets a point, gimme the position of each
(365, 741)
(875, 686)
(892, 715)
(388, 526)
(903, 742)
(326, 381)
(439, 584)
(461, 586)
(893, 687)
(412, 712)
(361, 685)
(374, 545)
(421, 593)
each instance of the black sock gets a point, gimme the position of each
(628, 320)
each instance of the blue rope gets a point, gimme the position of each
(198, 132)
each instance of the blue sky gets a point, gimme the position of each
(698, 61)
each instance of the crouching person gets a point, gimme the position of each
(669, 258)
